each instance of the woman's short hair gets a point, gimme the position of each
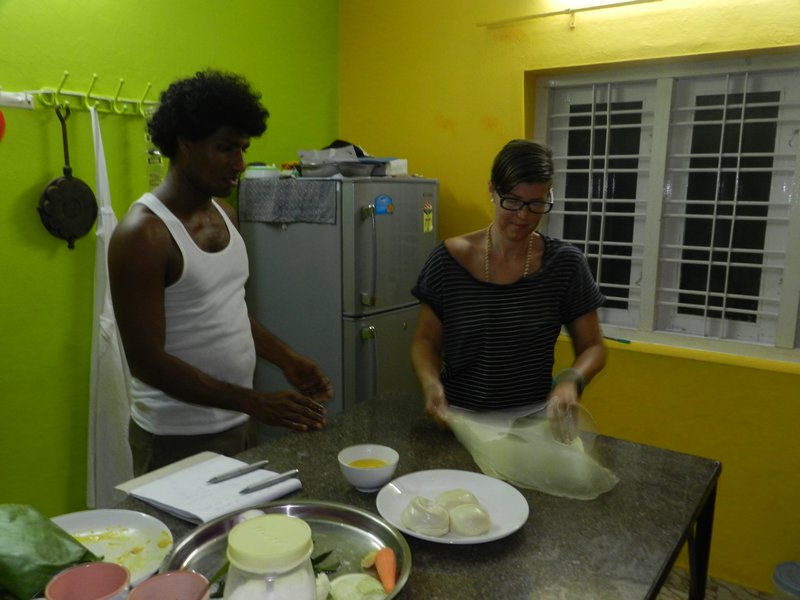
(521, 161)
(195, 107)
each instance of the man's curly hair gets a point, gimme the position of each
(195, 107)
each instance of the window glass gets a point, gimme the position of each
(679, 190)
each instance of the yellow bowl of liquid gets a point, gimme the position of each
(368, 467)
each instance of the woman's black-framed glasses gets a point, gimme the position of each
(538, 207)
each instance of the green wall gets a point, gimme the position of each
(289, 51)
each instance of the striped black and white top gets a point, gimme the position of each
(499, 339)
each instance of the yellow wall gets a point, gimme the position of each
(422, 80)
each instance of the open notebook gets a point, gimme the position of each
(182, 488)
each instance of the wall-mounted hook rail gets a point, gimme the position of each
(60, 96)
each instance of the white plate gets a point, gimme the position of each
(126, 537)
(507, 508)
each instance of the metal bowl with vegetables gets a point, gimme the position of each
(343, 537)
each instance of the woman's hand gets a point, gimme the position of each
(563, 404)
(435, 403)
(426, 352)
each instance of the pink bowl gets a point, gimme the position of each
(90, 581)
(175, 585)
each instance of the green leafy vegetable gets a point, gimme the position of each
(217, 582)
(315, 560)
(318, 560)
(33, 549)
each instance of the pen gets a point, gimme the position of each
(237, 472)
(268, 482)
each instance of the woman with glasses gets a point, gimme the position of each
(494, 302)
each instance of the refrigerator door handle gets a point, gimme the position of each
(368, 297)
(368, 334)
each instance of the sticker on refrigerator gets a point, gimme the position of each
(427, 217)
(384, 205)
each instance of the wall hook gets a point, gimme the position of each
(47, 99)
(141, 102)
(119, 111)
(88, 95)
(61, 87)
(50, 98)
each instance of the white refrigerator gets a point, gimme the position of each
(332, 263)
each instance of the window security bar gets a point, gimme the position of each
(732, 310)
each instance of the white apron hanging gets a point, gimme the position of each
(110, 460)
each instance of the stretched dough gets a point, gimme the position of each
(525, 453)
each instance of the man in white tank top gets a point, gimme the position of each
(177, 267)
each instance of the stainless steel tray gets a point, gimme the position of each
(348, 531)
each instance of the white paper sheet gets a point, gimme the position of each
(185, 493)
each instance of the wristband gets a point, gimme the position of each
(572, 375)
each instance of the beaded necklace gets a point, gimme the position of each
(528, 254)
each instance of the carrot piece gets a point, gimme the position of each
(386, 565)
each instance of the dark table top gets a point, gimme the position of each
(619, 546)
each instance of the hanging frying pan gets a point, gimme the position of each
(67, 206)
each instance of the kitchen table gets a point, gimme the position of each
(619, 546)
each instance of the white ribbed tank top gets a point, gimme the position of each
(207, 326)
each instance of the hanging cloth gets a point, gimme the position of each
(110, 461)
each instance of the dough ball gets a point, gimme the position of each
(449, 499)
(426, 517)
(469, 520)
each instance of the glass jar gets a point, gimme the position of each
(270, 559)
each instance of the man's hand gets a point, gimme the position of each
(288, 409)
(307, 377)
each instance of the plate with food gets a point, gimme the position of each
(453, 507)
(132, 539)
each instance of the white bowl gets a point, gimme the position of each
(368, 478)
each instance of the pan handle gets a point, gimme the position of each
(63, 118)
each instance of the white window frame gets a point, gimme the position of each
(642, 321)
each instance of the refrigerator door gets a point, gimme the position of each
(377, 354)
(388, 231)
(295, 292)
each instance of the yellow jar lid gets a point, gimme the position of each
(269, 544)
